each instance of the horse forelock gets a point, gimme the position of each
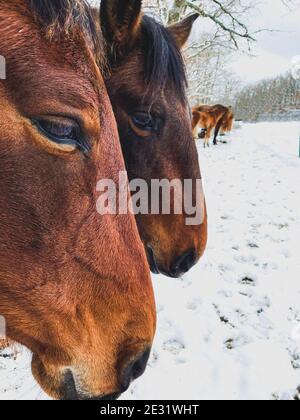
(65, 19)
(25, 26)
(164, 63)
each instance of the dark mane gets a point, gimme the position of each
(164, 62)
(65, 17)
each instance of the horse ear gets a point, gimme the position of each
(120, 22)
(182, 30)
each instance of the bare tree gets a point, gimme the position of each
(227, 17)
(208, 53)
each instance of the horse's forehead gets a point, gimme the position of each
(129, 79)
(55, 68)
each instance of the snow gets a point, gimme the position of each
(230, 329)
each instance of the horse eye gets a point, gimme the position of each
(145, 121)
(65, 132)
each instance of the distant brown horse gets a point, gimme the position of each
(74, 285)
(207, 118)
(147, 85)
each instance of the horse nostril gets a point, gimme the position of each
(140, 365)
(184, 263)
(68, 388)
(134, 370)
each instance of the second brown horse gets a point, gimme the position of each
(147, 86)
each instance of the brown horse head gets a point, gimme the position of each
(228, 121)
(147, 87)
(71, 289)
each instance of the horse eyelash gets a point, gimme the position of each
(83, 145)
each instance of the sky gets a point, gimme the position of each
(273, 51)
(275, 46)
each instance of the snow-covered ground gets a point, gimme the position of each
(230, 329)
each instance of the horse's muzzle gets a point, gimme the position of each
(133, 370)
(179, 267)
(70, 393)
